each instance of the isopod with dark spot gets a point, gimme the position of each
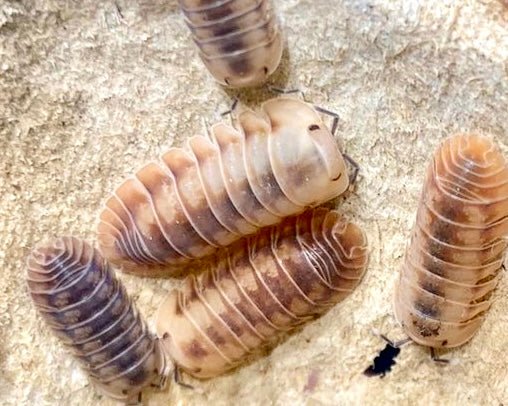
(79, 297)
(215, 191)
(259, 289)
(239, 41)
(453, 262)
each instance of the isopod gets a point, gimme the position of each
(453, 262)
(77, 294)
(219, 189)
(259, 289)
(239, 41)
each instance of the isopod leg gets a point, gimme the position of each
(335, 123)
(355, 168)
(135, 401)
(335, 118)
(231, 109)
(177, 377)
(436, 357)
(395, 344)
(280, 90)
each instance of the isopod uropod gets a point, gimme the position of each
(213, 192)
(239, 41)
(77, 294)
(260, 288)
(453, 262)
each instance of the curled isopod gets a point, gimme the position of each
(239, 41)
(77, 294)
(260, 288)
(215, 191)
(456, 252)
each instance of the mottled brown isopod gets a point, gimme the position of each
(77, 294)
(260, 288)
(456, 252)
(239, 41)
(197, 199)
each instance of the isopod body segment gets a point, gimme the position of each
(239, 41)
(216, 190)
(88, 309)
(454, 259)
(260, 288)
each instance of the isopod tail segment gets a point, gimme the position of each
(271, 164)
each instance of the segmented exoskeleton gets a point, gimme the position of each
(77, 294)
(213, 192)
(453, 262)
(239, 41)
(259, 288)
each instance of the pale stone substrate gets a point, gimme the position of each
(90, 92)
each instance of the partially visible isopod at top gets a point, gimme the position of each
(260, 289)
(219, 189)
(454, 260)
(88, 309)
(239, 41)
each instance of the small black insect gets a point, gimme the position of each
(383, 363)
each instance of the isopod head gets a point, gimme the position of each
(300, 136)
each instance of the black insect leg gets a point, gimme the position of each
(436, 357)
(178, 379)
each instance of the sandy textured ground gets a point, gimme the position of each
(91, 90)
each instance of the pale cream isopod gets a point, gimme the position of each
(249, 294)
(454, 260)
(213, 192)
(239, 41)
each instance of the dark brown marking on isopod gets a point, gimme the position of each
(424, 330)
(230, 46)
(252, 31)
(249, 306)
(215, 336)
(218, 13)
(235, 327)
(186, 231)
(431, 287)
(97, 320)
(426, 308)
(196, 350)
(239, 65)
(224, 29)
